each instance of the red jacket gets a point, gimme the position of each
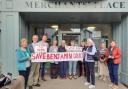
(116, 54)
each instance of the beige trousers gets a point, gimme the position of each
(103, 69)
(34, 74)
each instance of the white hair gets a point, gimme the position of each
(91, 41)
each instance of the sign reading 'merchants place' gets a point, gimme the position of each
(76, 4)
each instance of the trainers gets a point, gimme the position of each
(74, 76)
(86, 83)
(91, 86)
(37, 85)
(70, 77)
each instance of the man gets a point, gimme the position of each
(45, 44)
(34, 72)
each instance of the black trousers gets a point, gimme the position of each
(42, 70)
(81, 68)
(90, 72)
(54, 70)
(25, 74)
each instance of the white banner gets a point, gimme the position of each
(59, 56)
(74, 53)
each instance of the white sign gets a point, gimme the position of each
(74, 49)
(41, 55)
(40, 49)
(58, 56)
(96, 34)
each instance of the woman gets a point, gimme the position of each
(114, 59)
(72, 65)
(90, 63)
(54, 65)
(81, 65)
(23, 62)
(103, 71)
(62, 64)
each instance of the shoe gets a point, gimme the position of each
(70, 77)
(100, 78)
(52, 77)
(86, 83)
(115, 87)
(37, 85)
(44, 79)
(104, 79)
(91, 86)
(74, 76)
(55, 77)
(30, 87)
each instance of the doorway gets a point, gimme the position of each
(68, 37)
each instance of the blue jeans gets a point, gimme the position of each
(63, 69)
(72, 67)
(90, 72)
(113, 72)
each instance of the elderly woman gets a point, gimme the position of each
(114, 59)
(54, 65)
(103, 71)
(62, 64)
(23, 62)
(72, 65)
(90, 63)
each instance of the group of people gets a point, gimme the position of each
(108, 63)
(109, 60)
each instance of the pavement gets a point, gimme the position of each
(74, 84)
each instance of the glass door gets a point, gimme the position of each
(68, 37)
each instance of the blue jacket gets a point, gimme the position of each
(22, 58)
(31, 49)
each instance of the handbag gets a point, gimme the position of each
(5, 79)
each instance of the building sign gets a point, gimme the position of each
(76, 4)
(64, 5)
